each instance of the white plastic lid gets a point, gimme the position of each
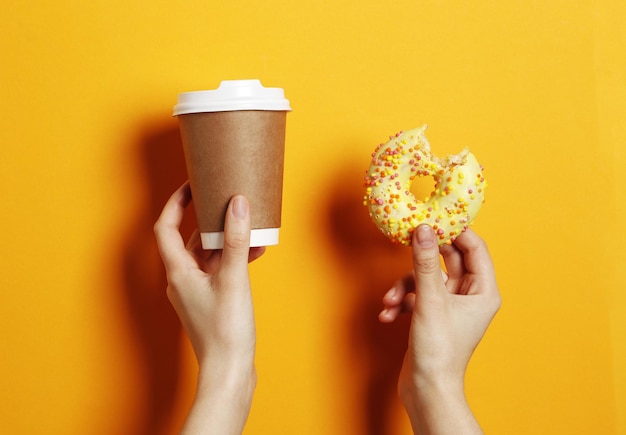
(233, 95)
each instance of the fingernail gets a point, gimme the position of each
(425, 236)
(240, 207)
(392, 292)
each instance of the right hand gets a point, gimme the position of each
(450, 312)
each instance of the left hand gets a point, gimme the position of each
(210, 291)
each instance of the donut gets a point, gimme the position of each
(451, 207)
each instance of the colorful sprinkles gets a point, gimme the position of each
(457, 195)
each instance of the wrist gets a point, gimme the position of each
(437, 405)
(232, 380)
(222, 403)
(420, 380)
(425, 389)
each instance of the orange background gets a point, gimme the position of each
(90, 153)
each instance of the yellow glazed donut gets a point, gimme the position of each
(451, 207)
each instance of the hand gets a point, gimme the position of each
(210, 291)
(450, 314)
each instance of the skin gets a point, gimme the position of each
(210, 291)
(450, 313)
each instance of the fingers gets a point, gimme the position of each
(469, 266)
(236, 236)
(453, 259)
(400, 289)
(390, 313)
(474, 252)
(426, 263)
(167, 228)
(478, 263)
(398, 300)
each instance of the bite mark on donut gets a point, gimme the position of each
(457, 196)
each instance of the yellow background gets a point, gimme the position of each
(90, 153)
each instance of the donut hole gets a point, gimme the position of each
(423, 187)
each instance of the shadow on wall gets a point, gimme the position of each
(158, 336)
(373, 264)
(364, 255)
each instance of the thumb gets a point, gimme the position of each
(426, 260)
(236, 235)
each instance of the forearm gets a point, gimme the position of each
(221, 405)
(440, 408)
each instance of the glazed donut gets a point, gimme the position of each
(451, 207)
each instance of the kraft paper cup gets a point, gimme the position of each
(234, 141)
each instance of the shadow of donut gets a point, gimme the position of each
(372, 263)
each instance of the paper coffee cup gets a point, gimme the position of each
(234, 140)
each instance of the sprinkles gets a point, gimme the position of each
(458, 190)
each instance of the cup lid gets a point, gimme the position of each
(232, 95)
